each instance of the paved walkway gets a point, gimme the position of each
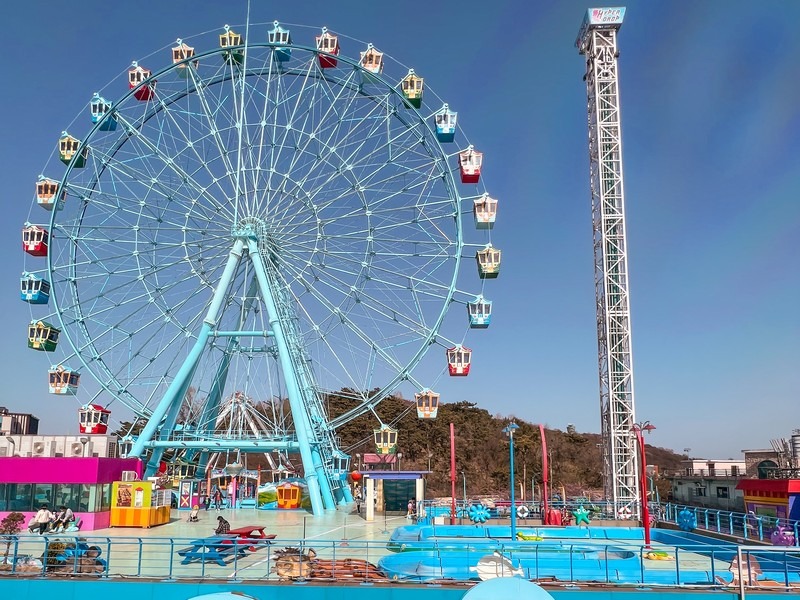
(287, 525)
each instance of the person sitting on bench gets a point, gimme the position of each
(63, 519)
(223, 527)
(193, 514)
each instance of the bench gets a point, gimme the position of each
(252, 535)
(214, 550)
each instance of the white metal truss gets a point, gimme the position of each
(621, 473)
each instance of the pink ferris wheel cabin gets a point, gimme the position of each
(35, 240)
(458, 361)
(469, 163)
(329, 44)
(138, 80)
(93, 419)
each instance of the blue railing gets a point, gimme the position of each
(429, 509)
(739, 525)
(616, 562)
(748, 527)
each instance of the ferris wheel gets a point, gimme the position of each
(263, 218)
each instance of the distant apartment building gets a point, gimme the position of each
(708, 483)
(17, 423)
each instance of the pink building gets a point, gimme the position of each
(82, 484)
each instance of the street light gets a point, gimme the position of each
(637, 430)
(430, 456)
(465, 492)
(11, 441)
(509, 431)
(358, 460)
(399, 458)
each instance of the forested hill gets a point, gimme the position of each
(482, 448)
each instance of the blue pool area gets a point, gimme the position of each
(596, 554)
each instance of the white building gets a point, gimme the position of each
(709, 483)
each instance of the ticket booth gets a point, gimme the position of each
(139, 504)
(191, 493)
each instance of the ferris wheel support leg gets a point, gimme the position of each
(183, 376)
(210, 414)
(347, 496)
(211, 409)
(302, 426)
(172, 396)
(167, 425)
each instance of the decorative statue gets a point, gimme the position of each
(782, 536)
(687, 520)
(478, 513)
(581, 516)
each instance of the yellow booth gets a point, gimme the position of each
(138, 504)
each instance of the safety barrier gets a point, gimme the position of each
(738, 525)
(587, 562)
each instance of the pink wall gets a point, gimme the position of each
(40, 469)
(89, 521)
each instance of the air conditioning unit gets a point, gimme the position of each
(76, 449)
(39, 448)
(129, 476)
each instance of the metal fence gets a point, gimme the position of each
(585, 562)
(748, 526)
(600, 509)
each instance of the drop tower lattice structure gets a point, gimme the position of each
(597, 41)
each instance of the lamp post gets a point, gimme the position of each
(638, 429)
(11, 441)
(430, 456)
(399, 458)
(464, 476)
(509, 431)
(358, 460)
(545, 469)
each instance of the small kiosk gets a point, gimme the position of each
(138, 504)
(774, 498)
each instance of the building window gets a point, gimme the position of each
(722, 492)
(734, 471)
(699, 491)
(20, 496)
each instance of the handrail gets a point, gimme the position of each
(747, 526)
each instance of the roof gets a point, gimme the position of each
(379, 459)
(787, 486)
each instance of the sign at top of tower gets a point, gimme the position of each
(605, 16)
(599, 18)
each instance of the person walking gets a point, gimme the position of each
(358, 499)
(43, 518)
(217, 499)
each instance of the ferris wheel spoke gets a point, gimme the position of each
(336, 285)
(211, 123)
(333, 148)
(136, 204)
(314, 136)
(185, 177)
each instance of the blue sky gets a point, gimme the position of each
(711, 138)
